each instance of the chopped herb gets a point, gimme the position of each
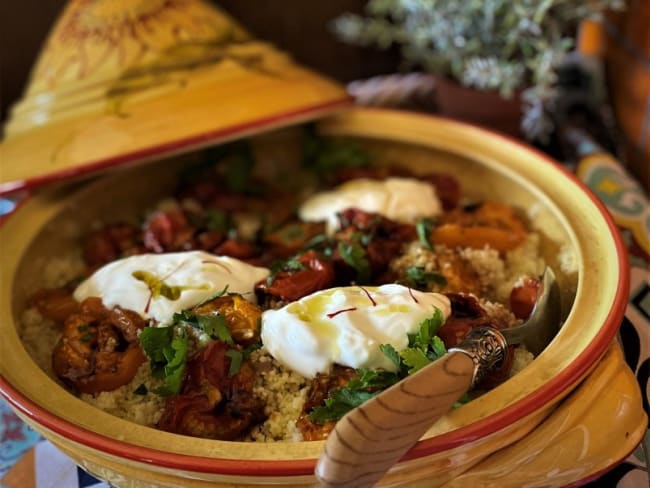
(291, 233)
(214, 325)
(365, 239)
(141, 390)
(355, 255)
(438, 349)
(292, 264)
(87, 337)
(216, 219)
(326, 156)
(391, 353)
(358, 390)
(371, 379)
(414, 358)
(462, 400)
(428, 329)
(82, 328)
(340, 402)
(423, 228)
(317, 241)
(424, 347)
(167, 355)
(417, 277)
(236, 358)
(253, 347)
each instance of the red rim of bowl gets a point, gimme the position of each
(518, 410)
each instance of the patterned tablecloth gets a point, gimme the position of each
(28, 461)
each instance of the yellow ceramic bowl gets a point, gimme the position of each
(521, 415)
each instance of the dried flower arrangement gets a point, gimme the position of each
(508, 46)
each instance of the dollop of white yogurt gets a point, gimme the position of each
(159, 285)
(346, 326)
(401, 199)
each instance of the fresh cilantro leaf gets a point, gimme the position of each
(414, 358)
(292, 264)
(424, 347)
(355, 255)
(462, 400)
(438, 348)
(176, 354)
(358, 390)
(154, 340)
(216, 219)
(429, 327)
(214, 325)
(340, 402)
(423, 228)
(236, 358)
(168, 356)
(316, 241)
(390, 352)
(326, 156)
(417, 277)
(371, 379)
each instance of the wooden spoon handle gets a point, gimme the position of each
(371, 438)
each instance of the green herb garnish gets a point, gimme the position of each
(216, 219)
(167, 355)
(358, 390)
(290, 265)
(214, 325)
(424, 347)
(236, 358)
(423, 228)
(417, 277)
(325, 156)
(354, 255)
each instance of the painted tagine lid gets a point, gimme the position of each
(123, 81)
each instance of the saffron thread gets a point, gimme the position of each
(334, 314)
(374, 303)
(412, 296)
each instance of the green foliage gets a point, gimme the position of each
(503, 45)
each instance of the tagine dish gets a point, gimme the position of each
(180, 318)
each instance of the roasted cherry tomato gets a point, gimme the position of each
(524, 297)
(316, 273)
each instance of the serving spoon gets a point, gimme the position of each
(370, 439)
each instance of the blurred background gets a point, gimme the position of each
(524, 52)
(25, 25)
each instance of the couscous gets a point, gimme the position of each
(215, 377)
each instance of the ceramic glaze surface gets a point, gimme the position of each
(120, 81)
(464, 439)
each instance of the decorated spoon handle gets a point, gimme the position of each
(371, 438)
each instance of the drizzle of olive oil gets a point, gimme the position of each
(159, 288)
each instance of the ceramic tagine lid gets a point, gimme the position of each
(121, 81)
